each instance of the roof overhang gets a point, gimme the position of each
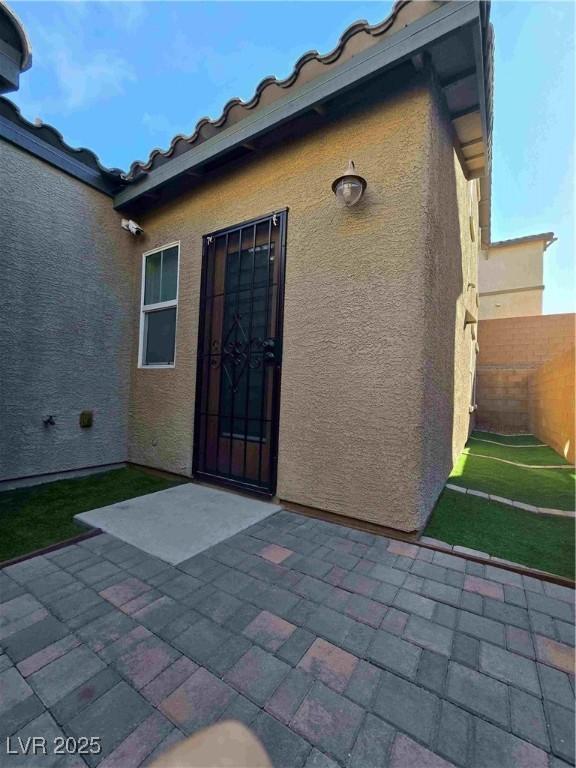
(452, 38)
(15, 49)
(46, 143)
(546, 238)
(27, 140)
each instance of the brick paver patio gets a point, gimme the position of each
(336, 647)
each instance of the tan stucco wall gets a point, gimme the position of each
(505, 269)
(511, 304)
(552, 398)
(360, 332)
(451, 289)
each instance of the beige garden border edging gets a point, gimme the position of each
(511, 502)
(505, 434)
(506, 445)
(517, 463)
(426, 542)
(485, 559)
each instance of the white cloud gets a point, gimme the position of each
(125, 15)
(85, 80)
(84, 73)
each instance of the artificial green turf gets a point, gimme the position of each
(508, 439)
(539, 541)
(536, 455)
(552, 488)
(35, 517)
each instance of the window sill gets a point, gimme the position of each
(156, 367)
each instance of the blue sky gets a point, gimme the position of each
(123, 77)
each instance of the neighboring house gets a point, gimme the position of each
(511, 276)
(250, 273)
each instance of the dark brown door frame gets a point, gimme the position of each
(270, 489)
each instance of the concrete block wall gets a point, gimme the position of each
(551, 404)
(502, 397)
(511, 350)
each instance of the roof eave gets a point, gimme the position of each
(21, 133)
(391, 52)
(13, 60)
(542, 237)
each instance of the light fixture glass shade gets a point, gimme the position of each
(350, 187)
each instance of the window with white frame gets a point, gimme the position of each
(158, 307)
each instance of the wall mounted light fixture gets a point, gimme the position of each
(350, 187)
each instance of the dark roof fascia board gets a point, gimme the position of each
(541, 237)
(25, 55)
(9, 69)
(479, 59)
(391, 51)
(512, 290)
(8, 50)
(25, 140)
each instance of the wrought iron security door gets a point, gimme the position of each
(239, 354)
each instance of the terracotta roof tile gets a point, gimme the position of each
(50, 135)
(311, 65)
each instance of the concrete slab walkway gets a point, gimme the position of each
(336, 647)
(180, 522)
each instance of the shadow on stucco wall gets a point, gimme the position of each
(451, 266)
(65, 315)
